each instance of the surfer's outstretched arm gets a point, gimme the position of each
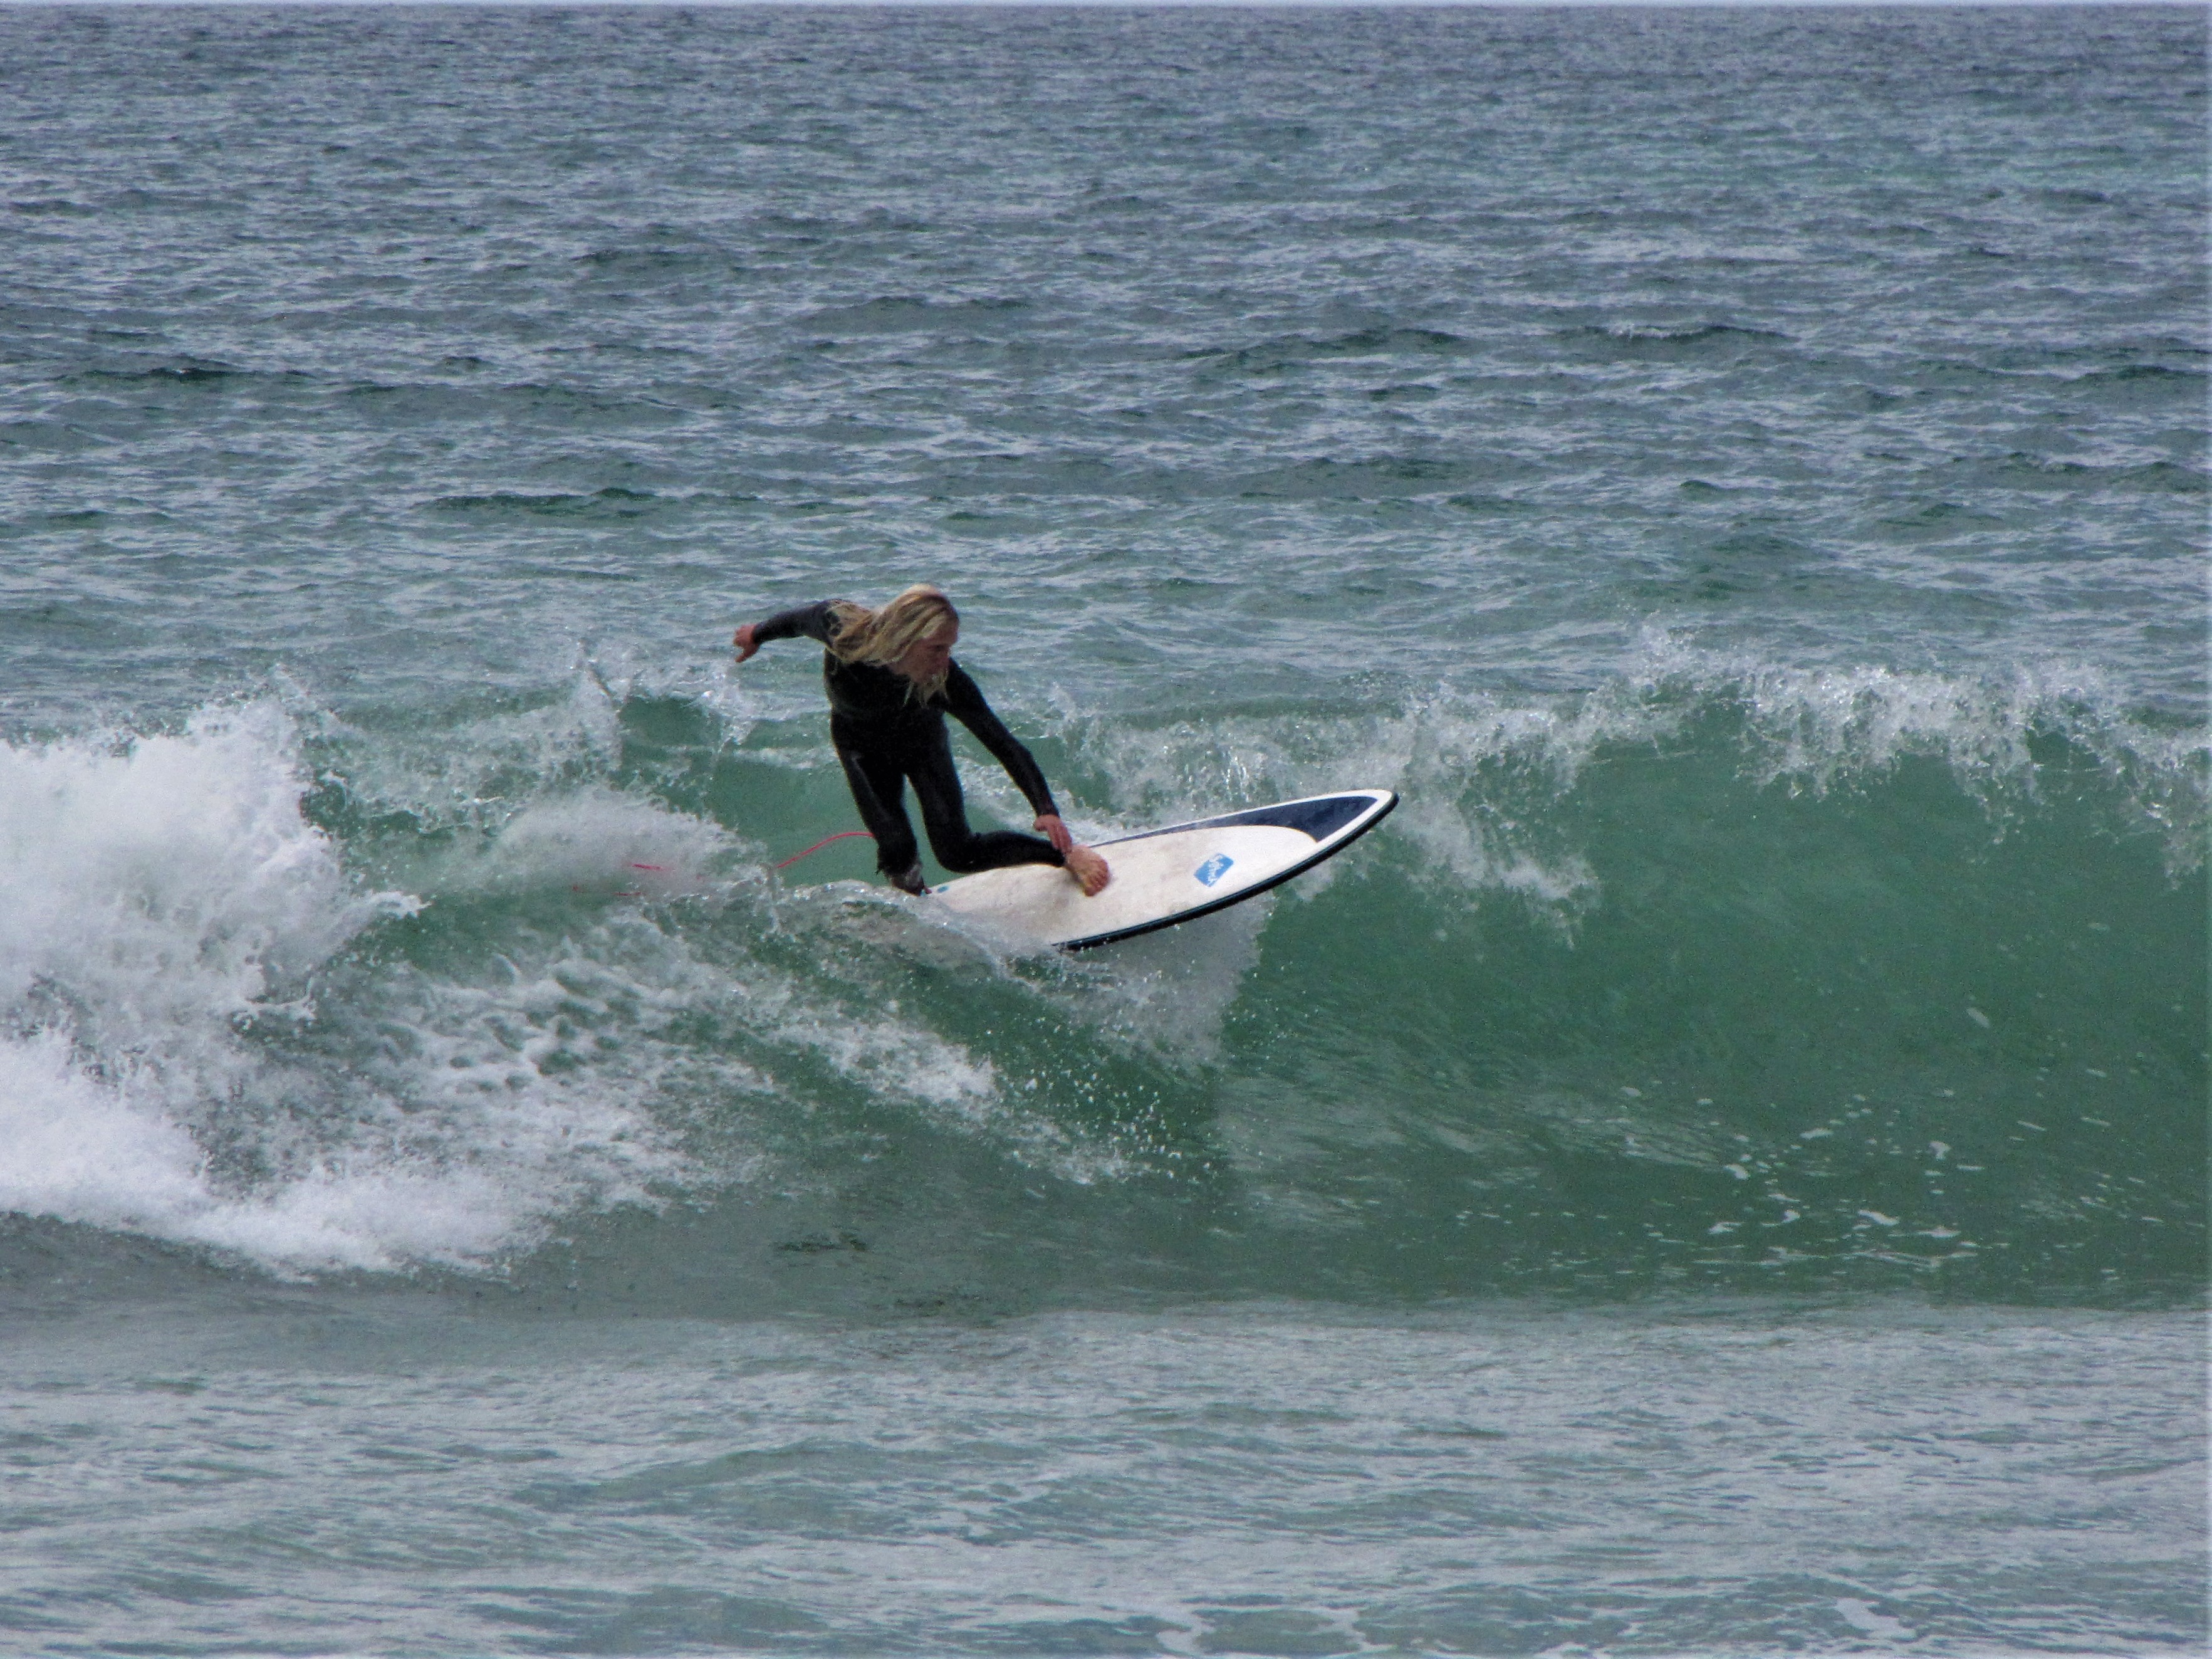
(812, 621)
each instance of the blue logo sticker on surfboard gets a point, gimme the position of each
(1213, 869)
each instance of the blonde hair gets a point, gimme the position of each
(885, 635)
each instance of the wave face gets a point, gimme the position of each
(1714, 976)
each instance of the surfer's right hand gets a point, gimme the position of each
(743, 639)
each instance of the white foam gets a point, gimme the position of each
(84, 1150)
(892, 1054)
(592, 839)
(468, 774)
(899, 1060)
(1480, 774)
(1169, 994)
(1431, 750)
(170, 880)
(106, 1152)
(736, 699)
(164, 905)
(1818, 727)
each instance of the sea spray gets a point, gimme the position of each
(187, 1054)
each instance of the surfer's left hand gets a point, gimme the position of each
(1049, 826)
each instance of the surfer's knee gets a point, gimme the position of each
(957, 848)
(960, 861)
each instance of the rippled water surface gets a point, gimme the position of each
(1722, 1169)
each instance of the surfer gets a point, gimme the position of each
(891, 681)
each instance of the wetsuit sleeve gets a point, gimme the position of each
(963, 700)
(814, 621)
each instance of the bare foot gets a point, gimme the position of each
(1089, 869)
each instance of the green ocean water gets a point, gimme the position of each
(1722, 1169)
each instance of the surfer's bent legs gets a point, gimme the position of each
(878, 774)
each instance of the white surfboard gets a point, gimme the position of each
(1166, 876)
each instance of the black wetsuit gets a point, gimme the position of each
(886, 735)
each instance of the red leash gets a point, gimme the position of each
(842, 834)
